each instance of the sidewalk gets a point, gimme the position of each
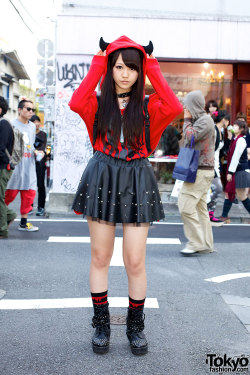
(238, 213)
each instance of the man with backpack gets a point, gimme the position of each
(6, 142)
(23, 179)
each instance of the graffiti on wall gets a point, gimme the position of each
(72, 74)
(71, 143)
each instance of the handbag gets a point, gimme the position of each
(187, 163)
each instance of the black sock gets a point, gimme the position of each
(99, 299)
(246, 204)
(226, 208)
(136, 304)
(23, 221)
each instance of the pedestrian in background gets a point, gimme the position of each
(238, 173)
(23, 179)
(221, 119)
(40, 146)
(118, 184)
(211, 107)
(170, 141)
(192, 200)
(7, 216)
(242, 117)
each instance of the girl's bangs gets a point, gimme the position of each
(132, 58)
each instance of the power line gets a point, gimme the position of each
(33, 19)
(23, 19)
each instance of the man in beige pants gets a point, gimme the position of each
(192, 198)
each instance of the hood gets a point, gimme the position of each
(125, 42)
(195, 103)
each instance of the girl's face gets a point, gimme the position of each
(236, 129)
(212, 109)
(123, 76)
(225, 123)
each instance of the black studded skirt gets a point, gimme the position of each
(114, 191)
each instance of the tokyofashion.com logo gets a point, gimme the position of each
(220, 364)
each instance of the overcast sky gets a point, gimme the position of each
(38, 15)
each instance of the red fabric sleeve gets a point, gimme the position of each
(83, 100)
(163, 105)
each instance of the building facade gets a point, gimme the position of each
(197, 48)
(11, 71)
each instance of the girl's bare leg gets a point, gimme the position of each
(242, 193)
(102, 246)
(134, 253)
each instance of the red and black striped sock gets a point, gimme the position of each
(136, 304)
(99, 299)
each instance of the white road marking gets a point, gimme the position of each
(150, 240)
(117, 259)
(85, 221)
(67, 303)
(163, 241)
(230, 276)
(69, 239)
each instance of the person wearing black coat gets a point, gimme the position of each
(169, 141)
(6, 142)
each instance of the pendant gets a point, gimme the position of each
(124, 103)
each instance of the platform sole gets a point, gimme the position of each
(100, 349)
(139, 351)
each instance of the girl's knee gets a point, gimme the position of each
(242, 194)
(100, 259)
(134, 265)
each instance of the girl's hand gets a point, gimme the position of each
(151, 56)
(101, 53)
(229, 177)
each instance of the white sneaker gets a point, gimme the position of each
(28, 227)
(188, 251)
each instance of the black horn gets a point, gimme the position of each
(103, 45)
(149, 48)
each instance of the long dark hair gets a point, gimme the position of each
(109, 116)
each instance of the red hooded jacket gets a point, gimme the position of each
(163, 105)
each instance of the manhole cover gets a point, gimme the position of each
(118, 319)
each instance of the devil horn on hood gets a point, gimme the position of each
(103, 45)
(149, 48)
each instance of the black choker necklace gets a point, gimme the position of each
(124, 94)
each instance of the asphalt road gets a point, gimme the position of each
(195, 319)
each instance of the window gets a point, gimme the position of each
(214, 80)
(6, 92)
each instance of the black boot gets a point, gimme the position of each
(135, 327)
(101, 323)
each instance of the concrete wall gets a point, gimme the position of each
(172, 38)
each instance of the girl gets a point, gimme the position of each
(118, 184)
(238, 174)
(211, 107)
